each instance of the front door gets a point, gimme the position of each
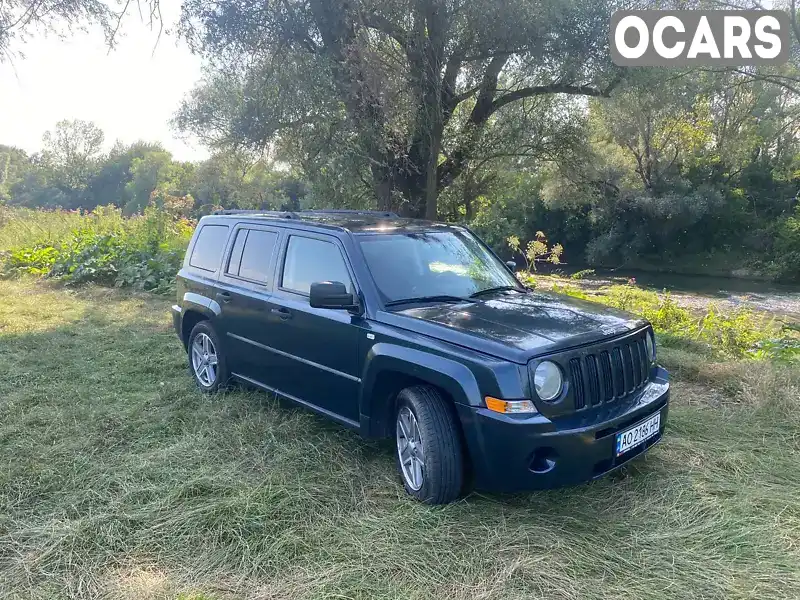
(318, 347)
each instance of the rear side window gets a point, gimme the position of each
(207, 251)
(252, 253)
(310, 260)
(236, 253)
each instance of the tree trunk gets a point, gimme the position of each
(382, 186)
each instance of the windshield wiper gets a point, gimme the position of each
(501, 288)
(439, 298)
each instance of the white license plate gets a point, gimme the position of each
(638, 434)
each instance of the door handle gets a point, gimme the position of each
(224, 297)
(282, 313)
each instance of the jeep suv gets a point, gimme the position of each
(416, 331)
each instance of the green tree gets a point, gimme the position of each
(411, 87)
(71, 157)
(14, 166)
(19, 19)
(155, 171)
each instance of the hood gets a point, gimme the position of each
(518, 326)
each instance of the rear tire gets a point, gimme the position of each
(429, 452)
(206, 360)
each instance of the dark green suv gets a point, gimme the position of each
(416, 331)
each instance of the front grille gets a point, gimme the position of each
(605, 375)
(619, 369)
(576, 376)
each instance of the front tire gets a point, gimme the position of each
(206, 362)
(429, 451)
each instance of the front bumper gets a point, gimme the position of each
(514, 453)
(177, 313)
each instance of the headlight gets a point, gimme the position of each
(547, 380)
(650, 344)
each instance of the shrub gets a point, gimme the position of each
(143, 251)
(35, 260)
(786, 251)
(582, 274)
(537, 250)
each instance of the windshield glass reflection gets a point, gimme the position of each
(440, 263)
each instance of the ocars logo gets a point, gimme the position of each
(699, 37)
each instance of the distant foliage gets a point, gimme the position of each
(736, 334)
(787, 248)
(583, 273)
(73, 172)
(142, 252)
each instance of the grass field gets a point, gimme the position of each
(119, 480)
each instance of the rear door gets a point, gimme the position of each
(197, 280)
(245, 284)
(318, 347)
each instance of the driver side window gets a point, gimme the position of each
(309, 260)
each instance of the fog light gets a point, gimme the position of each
(543, 461)
(510, 407)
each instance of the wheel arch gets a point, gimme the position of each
(390, 368)
(191, 317)
(196, 308)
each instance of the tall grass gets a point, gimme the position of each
(120, 481)
(20, 227)
(143, 251)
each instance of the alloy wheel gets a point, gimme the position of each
(204, 359)
(410, 449)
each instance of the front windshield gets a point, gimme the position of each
(432, 263)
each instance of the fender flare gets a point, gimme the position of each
(200, 304)
(453, 377)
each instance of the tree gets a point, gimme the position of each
(20, 18)
(155, 171)
(14, 165)
(73, 150)
(410, 86)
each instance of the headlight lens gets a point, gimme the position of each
(547, 380)
(650, 342)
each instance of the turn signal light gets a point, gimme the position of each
(509, 406)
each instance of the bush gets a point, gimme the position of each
(785, 265)
(35, 260)
(143, 252)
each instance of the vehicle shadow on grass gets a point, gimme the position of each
(378, 459)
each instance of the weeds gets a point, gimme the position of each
(143, 252)
(739, 333)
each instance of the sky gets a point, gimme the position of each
(130, 93)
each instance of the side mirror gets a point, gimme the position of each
(511, 265)
(330, 294)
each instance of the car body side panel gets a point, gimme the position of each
(314, 350)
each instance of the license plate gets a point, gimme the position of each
(638, 434)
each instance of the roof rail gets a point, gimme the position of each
(283, 214)
(344, 211)
(287, 214)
